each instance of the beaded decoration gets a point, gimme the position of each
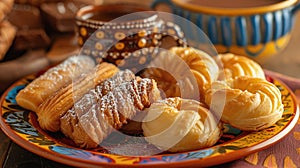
(116, 42)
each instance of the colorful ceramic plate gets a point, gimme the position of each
(21, 126)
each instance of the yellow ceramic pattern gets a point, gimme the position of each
(234, 11)
(265, 50)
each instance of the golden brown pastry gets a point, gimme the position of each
(174, 77)
(53, 80)
(234, 65)
(56, 105)
(7, 35)
(5, 8)
(178, 125)
(69, 121)
(106, 108)
(247, 103)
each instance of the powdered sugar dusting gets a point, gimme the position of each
(60, 75)
(109, 106)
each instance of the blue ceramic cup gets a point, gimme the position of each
(257, 29)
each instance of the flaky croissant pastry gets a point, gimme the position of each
(107, 108)
(234, 65)
(53, 80)
(247, 103)
(57, 104)
(177, 125)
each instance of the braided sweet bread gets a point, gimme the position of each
(249, 103)
(177, 125)
(107, 108)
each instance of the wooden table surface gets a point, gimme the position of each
(286, 62)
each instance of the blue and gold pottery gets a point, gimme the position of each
(255, 30)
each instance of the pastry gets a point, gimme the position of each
(248, 103)
(234, 65)
(7, 35)
(202, 65)
(98, 113)
(56, 105)
(5, 8)
(173, 77)
(178, 125)
(53, 80)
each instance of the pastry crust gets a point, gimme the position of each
(69, 121)
(178, 125)
(171, 72)
(56, 105)
(106, 108)
(7, 35)
(5, 8)
(247, 103)
(201, 64)
(32, 96)
(234, 66)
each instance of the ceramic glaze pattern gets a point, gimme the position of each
(258, 33)
(243, 31)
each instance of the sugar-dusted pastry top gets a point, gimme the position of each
(247, 103)
(69, 121)
(86, 102)
(53, 80)
(177, 125)
(106, 108)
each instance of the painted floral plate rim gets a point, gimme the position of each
(17, 125)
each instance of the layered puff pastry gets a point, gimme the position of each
(247, 103)
(178, 125)
(54, 79)
(56, 105)
(107, 107)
